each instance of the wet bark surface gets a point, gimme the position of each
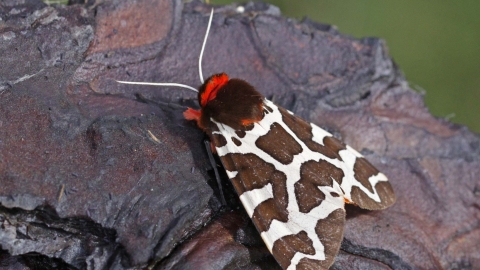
(99, 175)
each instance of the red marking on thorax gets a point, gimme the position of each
(212, 87)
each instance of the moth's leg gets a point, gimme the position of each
(214, 166)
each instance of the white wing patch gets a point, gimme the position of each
(319, 134)
(251, 199)
(353, 151)
(231, 174)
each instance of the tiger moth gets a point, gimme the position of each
(292, 177)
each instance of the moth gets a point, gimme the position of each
(292, 177)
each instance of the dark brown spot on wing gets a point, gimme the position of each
(228, 162)
(269, 210)
(312, 175)
(267, 108)
(240, 133)
(236, 141)
(385, 192)
(254, 173)
(330, 233)
(249, 127)
(279, 144)
(213, 127)
(334, 144)
(300, 127)
(219, 140)
(334, 194)
(311, 264)
(303, 130)
(285, 248)
(324, 150)
(364, 170)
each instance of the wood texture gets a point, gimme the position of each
(96, 174)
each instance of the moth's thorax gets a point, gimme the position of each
(232, 102)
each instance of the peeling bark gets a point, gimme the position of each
(100, 175)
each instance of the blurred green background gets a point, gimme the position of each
(435, 43)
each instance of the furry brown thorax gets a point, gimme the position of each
(232, 102)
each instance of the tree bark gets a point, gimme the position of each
(97, 175)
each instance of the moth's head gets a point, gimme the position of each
(206, 93)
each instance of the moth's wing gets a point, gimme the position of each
(363, 184)
(292, 195)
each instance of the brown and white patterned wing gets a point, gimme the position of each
(291, 191)
(363, 184)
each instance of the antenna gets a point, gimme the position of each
(160, 84)
(199, 66)
(203, 47)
